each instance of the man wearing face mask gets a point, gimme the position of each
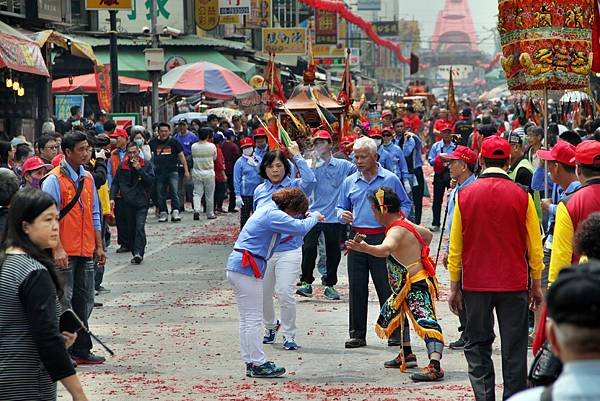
(398, 156)
(261, 146)
(330, 173)
(384, 158)
(246, 179)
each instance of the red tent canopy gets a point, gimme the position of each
(87, 83)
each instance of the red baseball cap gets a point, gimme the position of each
(245, 142)
(386, 113)
(375, 133)
(495, 147)
(388, 130)
(447, 127)
(322, 134)
(562, 152)
(57, 159)
(34, 163)
(587, 153)
(259, 132)
(119, 132)
(462, 153)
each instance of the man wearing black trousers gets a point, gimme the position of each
(441, 178)
(330, 173)
(354, 208)
(491, 274)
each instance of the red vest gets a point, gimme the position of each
(493, 212)
(77, 233)
(581, 203)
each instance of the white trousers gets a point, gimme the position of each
(248, 295)
(280, 278)
(204, 186)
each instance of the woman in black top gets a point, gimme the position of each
(33, 353)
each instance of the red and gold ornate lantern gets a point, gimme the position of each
(546, 44)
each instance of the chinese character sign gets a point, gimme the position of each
(284, 40)
(169, 13)
(234, 7)
(386, 28)
(207, 14)
(326, 32)
(260, 14)
(108, 4)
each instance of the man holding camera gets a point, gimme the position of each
(132, 184)
(114, 164)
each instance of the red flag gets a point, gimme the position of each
(273, 83)
(103, 86)
(452, 106)
(346, 86)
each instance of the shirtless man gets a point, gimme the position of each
(411, 275)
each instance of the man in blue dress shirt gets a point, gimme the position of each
(441, 178)
(330, 173)
(354, 208)
(411, 146)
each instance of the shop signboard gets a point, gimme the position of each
(260, 14)
(386, 28)
(169, 13)
(124, 120)
(109, 4)
(369, 5)
(207, 14)
(326, 32)
(234, 7)
(50, 10)
(63, 104)
(291, 41)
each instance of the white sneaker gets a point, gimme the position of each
(175, 215)
(163, 217)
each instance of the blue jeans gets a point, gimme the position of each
(78, 279)
(170, 180)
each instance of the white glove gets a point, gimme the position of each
(407, 187)
(100, 154)
(238, 201)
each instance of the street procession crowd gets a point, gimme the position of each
(521, 212)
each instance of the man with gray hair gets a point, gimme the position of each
(354, 208)
(573, 330)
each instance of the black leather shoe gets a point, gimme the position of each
(394, 343)
(355, 343)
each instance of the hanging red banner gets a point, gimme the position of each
(103, 86)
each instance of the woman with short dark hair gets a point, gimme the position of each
(33, 352)
(247, 265)
(284, 268)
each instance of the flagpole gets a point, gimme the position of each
(546, 141)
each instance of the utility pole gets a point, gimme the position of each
(114, 62)
(155, 75)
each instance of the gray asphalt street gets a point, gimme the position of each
(173, 324)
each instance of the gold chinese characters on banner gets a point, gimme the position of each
(109, 4)
(207, 14)
(284, 41)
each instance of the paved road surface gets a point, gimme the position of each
(173, 324)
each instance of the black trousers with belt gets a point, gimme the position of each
(441, 181)
(360, 265)
(417, 194)
(332, 233)
(511, 310)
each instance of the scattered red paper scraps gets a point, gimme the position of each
(225, 235)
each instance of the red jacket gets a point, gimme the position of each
(494, 214)
(220, 166)
(231, 152)
(581, 203)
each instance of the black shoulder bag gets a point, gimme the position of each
(70, 205)
(546, 367)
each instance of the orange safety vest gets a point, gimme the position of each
(77, 233)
